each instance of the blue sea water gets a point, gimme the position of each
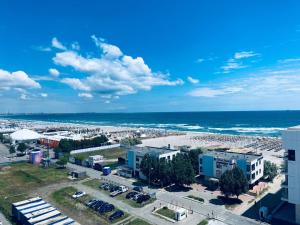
(266, 123)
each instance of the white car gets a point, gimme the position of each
(79, 194)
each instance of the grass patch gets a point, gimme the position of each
(19, 179)
(165, 211)
(196, 198)
(113, 153)
(138, 221)
(76, 208)
(203, 222)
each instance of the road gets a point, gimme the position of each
(165, 197)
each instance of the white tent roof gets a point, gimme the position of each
(24, 134)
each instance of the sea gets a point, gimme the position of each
(261, 123)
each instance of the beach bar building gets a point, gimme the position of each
(135, 155)
(213, 164)
(39, 212)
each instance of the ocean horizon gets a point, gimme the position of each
(262, 123)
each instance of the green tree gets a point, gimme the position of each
(150, 167)
(62, 162)
(130, 141)
(233, 182)
(22, 147)
(12, 149)
(194, 158)
(270, 170)
(165, 172)
(183, 171)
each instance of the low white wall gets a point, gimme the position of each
(94, 149)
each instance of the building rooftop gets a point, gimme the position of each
(232, 155)
(148, 149)
(24, 134)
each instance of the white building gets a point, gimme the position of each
(24, 135)
(95, 159)
(213, 164)
(291, 186)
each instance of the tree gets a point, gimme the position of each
(12, 149)
(165, 172)
(270, 170)
(183, 171)
(62, 162)
(194, 158)
(233, 182)
(150, 167)
(130, 141)
(22, 147)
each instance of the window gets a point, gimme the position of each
(200, 160)
(253, 167)
(259, 170)
(200, 168)
(137, 159)
(260, 162)
(219, 165)
(256, 163)
(169, 157)
(256, 173)
(291, 155)
(253, 176)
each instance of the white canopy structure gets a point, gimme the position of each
(24, 135)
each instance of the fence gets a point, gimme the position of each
(94, 149)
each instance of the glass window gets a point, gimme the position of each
(253, 167)
(253, 176)
(291, 155)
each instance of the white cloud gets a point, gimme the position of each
(200, 60)
(192, 80)
(263, 84)
(23, 97)
(75, 46)
(210, 92)
(242, 55)
(290, 60)
(44, 95)
(57, 44)
(54, 72)
(113, 73)
(18, 79)
(85, 95)
(236, 61)
(42, 49)
(75, 84)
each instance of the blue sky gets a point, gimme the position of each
(138, 56)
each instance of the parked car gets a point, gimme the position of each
(121, 189)
(78, 194)
(138, 188)
(143, 198)
(131, 195)
(89, 203)
(106, 208)
(113, 188)
(137, 196)
(104, 185)
(116, 215)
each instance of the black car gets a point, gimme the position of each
(138, 188)
(131, 194)
(99, 205)
(143, 198)
(90, 202)
(113, 188)
(106, 208)
(116, 215)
